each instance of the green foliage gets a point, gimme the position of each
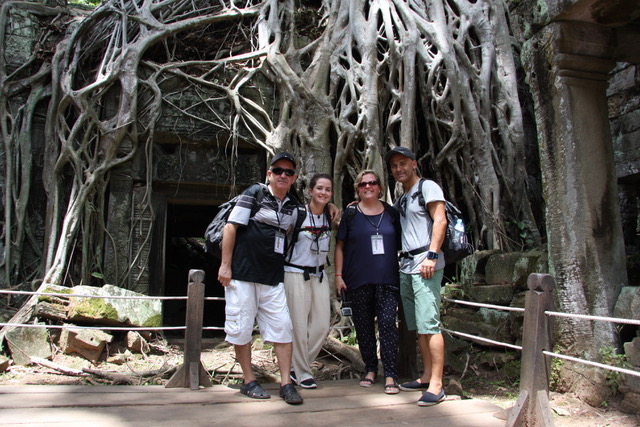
(523, 232)
(610, 356)
(93, 3)
(453, 291)
(350, 338)
(556, 382)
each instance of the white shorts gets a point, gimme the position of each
(247, 302)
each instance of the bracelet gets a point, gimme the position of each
(338, 275)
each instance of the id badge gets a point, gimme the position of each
(377, 244)
(278, 246)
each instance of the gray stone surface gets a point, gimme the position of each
(472, 268)
(26, 342)
(490, 294)
(500, 268)
(628, 304)
(133, 312)
(632, 351)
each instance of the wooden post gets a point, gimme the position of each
(532, 407)
(192, 373)
(407, 358)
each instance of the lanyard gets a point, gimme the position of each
(377, 227)
(316, 231)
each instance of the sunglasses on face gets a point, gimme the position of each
(365, 183)
(279, 171)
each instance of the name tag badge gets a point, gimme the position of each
(279, 243)
(377, 244)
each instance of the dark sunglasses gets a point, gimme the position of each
(365, 183)
(279, 171)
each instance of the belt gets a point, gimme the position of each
(308, 271)
(413, 252)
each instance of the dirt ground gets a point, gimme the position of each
(157, 365)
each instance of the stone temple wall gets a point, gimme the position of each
(623, 97)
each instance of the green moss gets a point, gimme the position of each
(94, 308)
(53, 290)
(153, 321)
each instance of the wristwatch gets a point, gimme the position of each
(432, 255)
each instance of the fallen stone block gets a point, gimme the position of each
(114, 311)
(88, 343)
(26, 342)
(4, 363)
(136, 343)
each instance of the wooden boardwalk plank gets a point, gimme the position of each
(340, 403)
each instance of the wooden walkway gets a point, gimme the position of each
(335, 403)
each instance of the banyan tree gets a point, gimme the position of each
(337, 82)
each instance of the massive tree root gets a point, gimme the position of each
(338, 82)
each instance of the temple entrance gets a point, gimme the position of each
(185, 225)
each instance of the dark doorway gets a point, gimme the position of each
(184, 250)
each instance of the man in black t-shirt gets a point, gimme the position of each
(252, 272)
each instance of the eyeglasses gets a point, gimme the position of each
(365, 183)
(279, 171)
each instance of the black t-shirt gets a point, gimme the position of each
(254, 255)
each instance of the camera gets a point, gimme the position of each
(346, 309)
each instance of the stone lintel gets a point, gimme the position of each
(582, 38)
(584, 67)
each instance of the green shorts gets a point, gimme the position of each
(421, 302)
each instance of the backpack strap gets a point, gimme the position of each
(302, 215)
(419, 194)
(395, 220)
(257, 191)
(350, 213)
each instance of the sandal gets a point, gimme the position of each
(254, 390)
(367, 382)
(392, 388)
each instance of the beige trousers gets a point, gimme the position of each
(310, 310)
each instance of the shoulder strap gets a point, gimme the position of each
(350, 212)
(258, 192)
(395, 220)
(302, 215)
(419, 194)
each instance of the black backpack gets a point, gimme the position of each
(456, 244)
(214, 232)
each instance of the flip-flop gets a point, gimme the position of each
(254, 390)
(391, 388)
(367, 382)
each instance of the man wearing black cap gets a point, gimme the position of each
(421, 269)
(252, 272)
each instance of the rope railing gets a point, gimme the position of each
(100, 328)
(479, 304)
(596, 364)
(590, 317)
(482, 340)
(531, 409)
(63, 295)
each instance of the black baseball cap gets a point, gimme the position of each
(284, 155)
(399, 150)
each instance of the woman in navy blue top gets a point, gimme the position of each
(367, 268)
